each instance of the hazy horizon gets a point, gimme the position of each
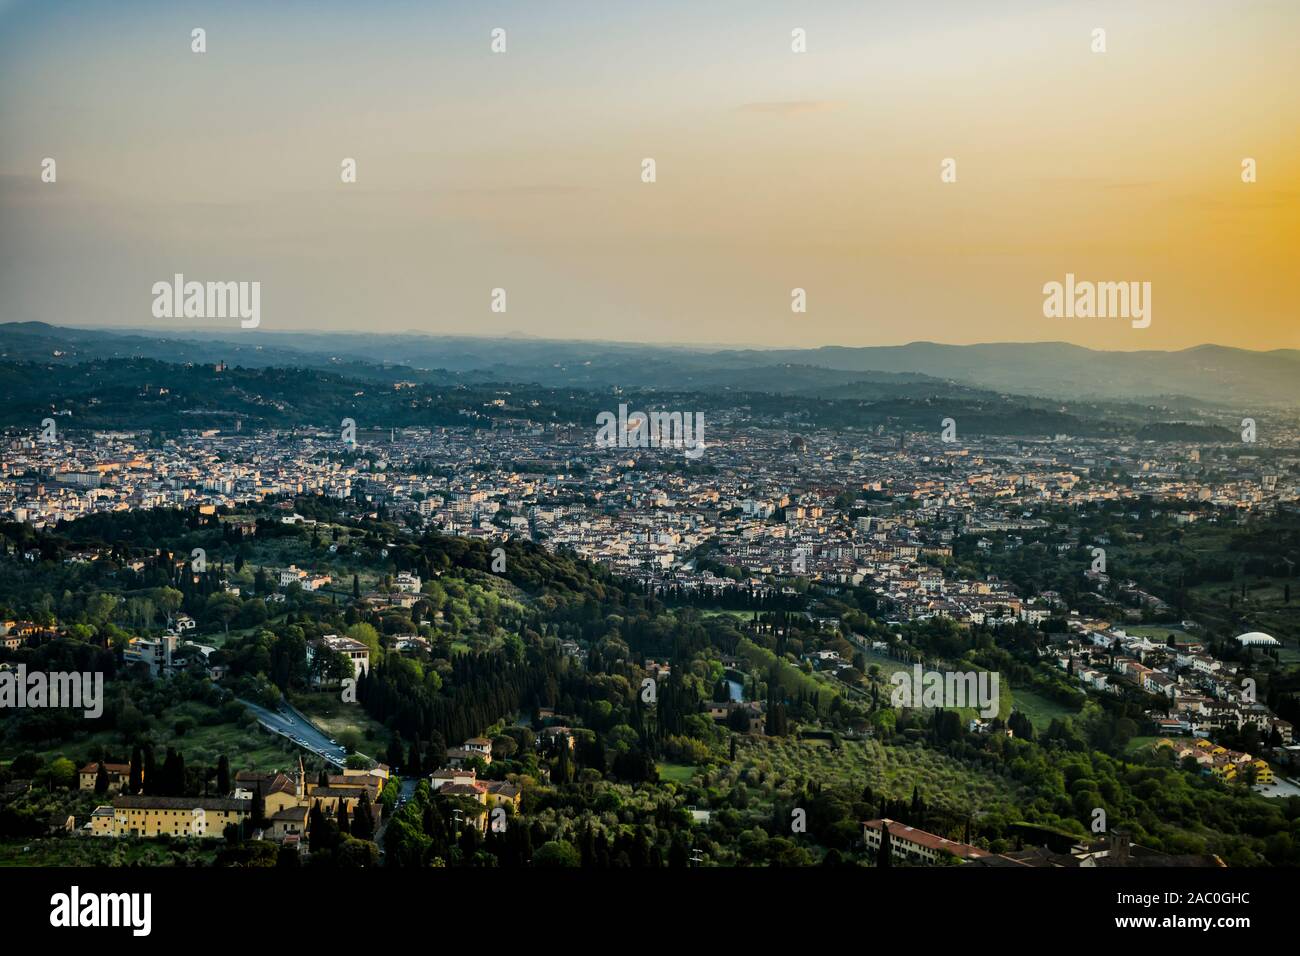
(183, 330)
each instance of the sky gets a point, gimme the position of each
(775, 170)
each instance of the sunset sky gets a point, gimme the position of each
(775, 170)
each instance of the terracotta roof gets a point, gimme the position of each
(291, 814)
(462, 790)
(180, 803)
(118, 768)
(351, 793)
(898, 831)
(282, 784)
(351, 783)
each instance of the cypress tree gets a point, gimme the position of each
(395, 754)
(363, 821)
(884, 856)
(563, 766)
(414, 762)
(259, 807)
(150, 780)
(314, 818)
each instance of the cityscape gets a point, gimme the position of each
(775, 592)
(663, 441)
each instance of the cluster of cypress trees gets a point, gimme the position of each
(481, 690)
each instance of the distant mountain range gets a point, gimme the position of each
(1208, 375)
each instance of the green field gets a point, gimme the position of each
(888, 666)
(1040, 710)
(1140, 744)
(675, 772)
(328, 712)
(1159, 632)
(740, 615)
(245, 743)
(783, 764)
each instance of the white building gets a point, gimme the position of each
(1258, 639)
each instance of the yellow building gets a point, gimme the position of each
(330, 797)
(288, 823)
(281, 792)
(345, 788)
(500, 793)
(491, 794)
(118, 775)
(1225, 770)
(200, 817)
(287, 798)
